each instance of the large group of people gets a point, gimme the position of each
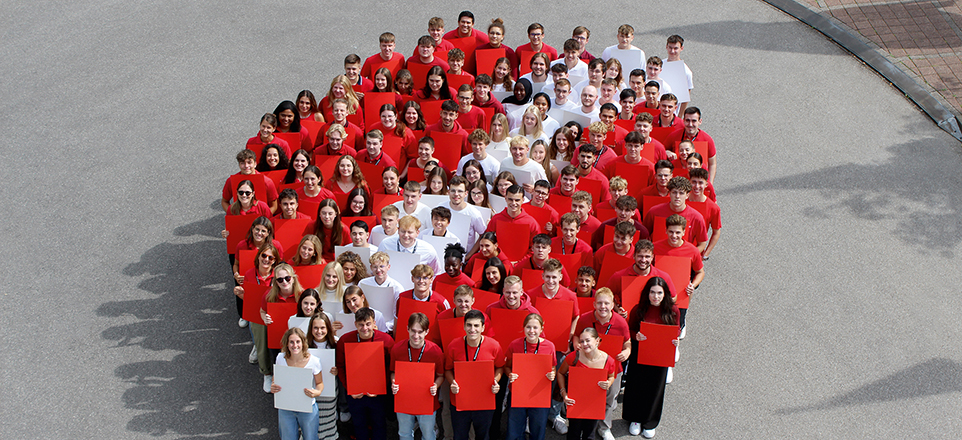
(570, 212)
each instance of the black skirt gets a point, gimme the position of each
(644, 395)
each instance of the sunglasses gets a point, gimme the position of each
(244, 193)
(268, 257)
(286, 279)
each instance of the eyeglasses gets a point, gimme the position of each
(244, 193)
(286, 279)
(422, 278)
(267, 257)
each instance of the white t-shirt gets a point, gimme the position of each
(378, 235)
(422, 212)
(489, 164)
(528, 173)
(313, 362)
(579, 70)
(477, 225)
(424, 250)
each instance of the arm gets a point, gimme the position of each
(438, 380)
(265, 317)
(696, 280)
(712, 241)
(562, 370)
(625, 351)
(225, 204)
(316, 392)
(449, 376)
(712, 165)
(394, 387)
(701, 246)
(497, 378)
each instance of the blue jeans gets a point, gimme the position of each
(536, 418)
(288, 423)
(406, 422)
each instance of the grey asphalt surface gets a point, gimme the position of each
(830, 307)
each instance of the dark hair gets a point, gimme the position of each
(667, 304)
(363, 314)
(337, 230)
(287, 193)
(282, 163)
(288, 105)
(474, 314)
(445, 91)
(291, 176)
(496, 263)
(441, 212)
(360, 224)
(317, 297)
(366, 211)
(329, 339)
(454, 250)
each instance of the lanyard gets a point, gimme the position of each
(414, 251)
(606, 330)
(475, 351)
(685, 136)
(379, 157)
(419, 354)
(536, 348)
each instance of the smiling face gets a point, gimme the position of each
(359, 237)
(294, 345)
(692, 123)
(463, 304)
(621, 243)
(676, 235)
(310, 181)
(472, 174)
(308, 305)
(319, 330)
(603, 306)
(380, 82)
(339, 111)
(587, 343)
(389, 119)
(561, 93)
(306, 251)
(354, 301)
(272, 157)
(448, 118)
(304, 105)
(435, 82)
(538, 67)
(266, 259)
(519, 152)
(410, 116)
(407, 236)
(285, 118)
(496, 35)
(373, 146)
(245, 194)
(365, 329)
(500, 71)
(512, 295)
(300, 162)
(335, 141)
(643, 259)
(387, 50)
(284, 281)
(532, 330)
(338, 90)
(416, 335)
(349, 270)
(465, 26)
(266, 129)
(656, 295)
(539, 152)
(390, 181)
(452, 266)
(289, 208)
(588, 96)
(552, 280)
(436, 33)
(493, 275)
(488, 248)
(260, 234)
(473, 329)
(345, 168)
(330, 279)
(514, 202)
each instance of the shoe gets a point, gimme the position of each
(680, 336)
(345, 416)
(648, 433)
(559, 425)
(677, 354)
(634, 428)
(670, 376)
(527, 428)
(242, 323)
(252, 358)
(606, 434)
(267, 383)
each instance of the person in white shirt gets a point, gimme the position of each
(652, 71)
(626, 34)
(407, 242)
(388, 226)
(563, 101)
(411, 205)
(359, 234)
(608, 93)
(572, 59)
(463, 212)
(539, 71)
(525, 171)
(596, 74)
(380, 265)
(674, 47)
(589, 97)
(530, 126)
(479, 151)
(440, 220)
(543, 102)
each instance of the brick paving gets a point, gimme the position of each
(923, 38)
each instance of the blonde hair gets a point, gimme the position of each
(339, 288)
(353, 104)
(538, 130)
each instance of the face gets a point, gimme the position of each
(436, 185)
(365, 329)
(380, 269)
(488, 248)
(655, 295)
(335, 140)
(561, 93)
(294, 345)
(674, 50)
(435, 82)
(625, 39)
(561, 142)
(644, 128)
(677, 196)
(532, 330)
(621, 243)
(354, 302)
(588, 96)
(289, 208)
(633, 150)
(352, 71)
(496, 35)
(345, 168)
(571, 56)
(652, 71)
(662, 176)
(284, 280)
(552, 280)
(339, 111)
(667, 109)
(410, 115)
(698, 184)
(582, 40)
(676, 234)
(411, 198)
(308, 305)
(684, 149)
(300, 162)
(627, 105)
(514, 202)
(266, 258)
(266, 129)
(403, 84)
(538, 66)
(519, 152)
(303, 104)
(540, 195)
(596, 73)
(390, 181)
(569, 183)
(338, 90)
(472, 174)
(327, 216)
(477, 196)
(519, 91)
(349, 270)
(389, 222)
(463, 303)
(493, 275)
(651, 95)
(310, 181)
(693, 163)
(538, 153)
(286, 118)
(497, 128)
(465, 24)
(555, 76)
(580, 209)
(260, 233)
(416, 335)
(448, 118)
(452, 266)
(456, 194)
(584, 283)
(456, 65)
(692, 123)
(380, 82)
(464, 99)
(540, 251)
(643, 258)
(273, 158)
(426, 51)
(608, 116)
(436, 33)
(245, 194)
(319, 329)
(500, 71)
(637, 83)
(387, 50)
(603, 306)
(529, 120)
(587, 343)
(586, 159)
(373, 146)
(569, 232)
(481, 91)
(306, 251)
(330, 279)
(407, 236)
(541, 103)
(473, 328)
(512, 295)
(357, 205)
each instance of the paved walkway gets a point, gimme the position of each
(923, 38)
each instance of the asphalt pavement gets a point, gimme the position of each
(830, 306)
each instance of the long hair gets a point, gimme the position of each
(337, 228)
(667, 304)
(235, 208)
(275, 291)
(494, 262)
(328, 338)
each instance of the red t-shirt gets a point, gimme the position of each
(564, 294)
(527, 263)
(257, 145)
(471, 120)
(444, 278)
(524, 218)
(324, 193)
(552, 52)
(686, 250)
(522, 346)
(612, 366)
(695, 230)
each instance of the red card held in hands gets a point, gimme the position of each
(279, 313)
(612, 345)
(513, 239)
(290, 232)
(657, 348)
(253, 294)
(365, 368)
(475, 379)
(407, 307)
(373, 102)
(557, 320)
(508, 325)
(237, 227)
(532, 389)
(588, 396)
(612, 263)
(679, 270)
(414, 380)
(450, 330)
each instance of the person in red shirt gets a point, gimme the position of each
(666, 118)
(367, 410)
(588, 355)
(647, 90)
(533, 419)
(466, 29)
(512, 297)
(436, 87)
(663, 171)
(449, 124)
(536, 42)
(329, 228)
(567, 183)
(539, 199)
(247, 163)
(567, 242)
(586, 158)
(620, 244)
(436, 32)
(626, 210)
(352, 70)
(265, 135)
(585, 282)
(692, 132)
(581, 206)
(425, 54)
(418, 349)
(338, 143)
(453, 256)
(644, 256)
(643, 126)
(373, 154)
(387, 58)
(395, 131)
(487, 248)
(354, 135)
(463, 303)
(312, 191)
(421, 276)
(390, 180)
(552, 289)
(634, 144)
(495, 41)
(512, 213)
(469, 116)
(602, 155)
(540, 253)
(678, 190)
(482, 93)
(699, 183)
(474, 346)
(676, 246)
(288, 206)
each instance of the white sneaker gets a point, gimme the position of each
(345, 416)
(648, 433)
(252, 358)
(267, 383)
(242, 323)
(559, 425)
(606, 434)
(527, 428)
(670, 376)
(680, 336)
(634, 428)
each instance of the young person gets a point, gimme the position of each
(642, 267)
(512, 213)
(513, 297)
(386, 57)
(536, 42)
(388, 226)
(312, 191)
(620, 245)
(539, 255)
(407, 241)
(676, 246)
(373, 154)
(678, 190)
(692, 132)
(699, 184)
(247, 164)
(265, 135)
(521, 166)
(521, 419)
(588, 355)
(367, 411)
(472, 347)
(626, 35)
(567, 241)
(674, 46)
(418, 349)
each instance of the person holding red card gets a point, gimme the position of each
(285, 289)
(471, 348)
(588, 355)
(367, 411)
(609, 325)
(417, 349)
(532, 342)
(645, 392)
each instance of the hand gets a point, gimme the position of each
(603, 384)
(239, 278)
(224, 233)
(371, 395)
(623, 356)
(569, 401)
(357, 396)
(548, 227)
(275, 388)
(621, 311)
(455, 388)
(671, 155)
(267, 319)
(690, 289)
(337, 325)
(334, 371)
(394, 387)
(675, 341)
(640, 337)
(512, 377)
(239, 291)
(528, 188)
(360, 95)
(434, 389)
(310, 392)
(495, 388)
(550, 375)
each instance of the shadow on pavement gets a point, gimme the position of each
(935, 376)
(746, 34)
(917, 187)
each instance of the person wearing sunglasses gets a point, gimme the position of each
(285, 288)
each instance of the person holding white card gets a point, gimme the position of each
(322, 336)
(525, 170)
(294, 354)
(674, 46)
